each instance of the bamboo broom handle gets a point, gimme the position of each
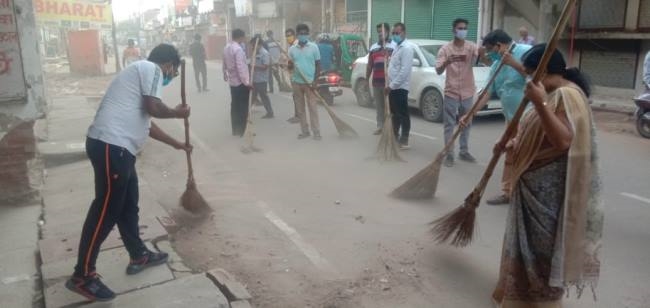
(186, 122)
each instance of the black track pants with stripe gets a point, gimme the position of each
(116, 202)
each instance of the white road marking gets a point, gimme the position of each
(308, 250)
(636, 197)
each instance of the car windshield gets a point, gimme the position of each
(430, 52)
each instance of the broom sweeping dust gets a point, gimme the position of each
(424, 184)
(249, 132)
(457, 227)
(191, 199)
(344, 129)
(387, 148)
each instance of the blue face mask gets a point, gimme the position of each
(303, 38)
(396, 38)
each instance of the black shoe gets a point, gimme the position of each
(304, 135)
(268, 116)
(449, 160)
(294, 120)
(90, 287)
(149, 259)
(467, 157)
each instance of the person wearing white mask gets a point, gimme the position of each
(457, 59)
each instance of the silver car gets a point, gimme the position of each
(427, 87)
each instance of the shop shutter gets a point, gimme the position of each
(446, 11)
(614, 69)
(418, 18)
(389, 11)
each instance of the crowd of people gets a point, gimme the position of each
(550, 178)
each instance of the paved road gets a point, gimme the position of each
(277, 223)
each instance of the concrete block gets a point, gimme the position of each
(191, 291)
(169, 224)
(17, 264)
(18, 294)
(240, 304)
(111, 265)
(19, 215)
(227, 283)
(175, 262)
(18, 236)
(58, 246)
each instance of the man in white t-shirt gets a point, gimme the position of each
(120, 129)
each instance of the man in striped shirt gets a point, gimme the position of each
(379, 52)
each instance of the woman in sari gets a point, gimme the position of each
(554, 226)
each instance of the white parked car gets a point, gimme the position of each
(427, 87)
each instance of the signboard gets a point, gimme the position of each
(243, 8)
(72, 10)
(12, 81)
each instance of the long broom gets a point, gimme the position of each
(249, 132)
(457, 227)
(344, 129)
(191, 199)
(424, 184)
(387, 148)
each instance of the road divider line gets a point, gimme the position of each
(635, 197)
(308, 250)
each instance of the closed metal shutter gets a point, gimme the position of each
(418, 19)
(446, 11)
(644, 14)
(602, 14)
(389, 11)
(614, 69)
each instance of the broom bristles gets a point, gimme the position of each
(457, 227)
(387, 148)
(193, 201)
(344, 129)
(422, 185)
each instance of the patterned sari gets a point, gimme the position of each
(554, 225)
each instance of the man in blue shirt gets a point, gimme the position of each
(326, 52)
(305, 60)
(509, 87)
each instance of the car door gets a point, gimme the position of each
(418, 78)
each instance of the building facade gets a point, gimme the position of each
(22, 98)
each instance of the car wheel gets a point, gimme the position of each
(643, 126)
(431, 105)
(362, 92)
